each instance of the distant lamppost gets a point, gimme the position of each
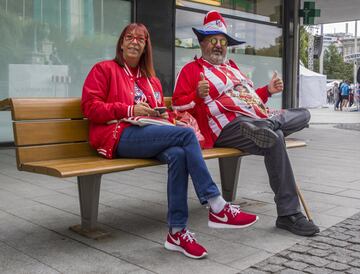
(355, 51)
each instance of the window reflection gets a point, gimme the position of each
(47, 47)
(258, 58)
(268, 11)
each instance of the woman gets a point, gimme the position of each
(126, 87)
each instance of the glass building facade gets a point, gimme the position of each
(257, 22)
(47, 47)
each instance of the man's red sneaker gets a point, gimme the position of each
(184, 241)
(231, 217)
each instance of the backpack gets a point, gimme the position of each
(340, 87)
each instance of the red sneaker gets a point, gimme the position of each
(184, 241)
(231, 217)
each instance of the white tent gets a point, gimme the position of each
(312, 88)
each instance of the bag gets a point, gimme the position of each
(185, 119)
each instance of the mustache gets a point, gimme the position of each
(217, 50)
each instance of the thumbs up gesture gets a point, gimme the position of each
(203, 86)
(276, 84)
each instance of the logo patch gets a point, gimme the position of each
(221, 219)
(177, 242)
(139, 95)
(157, 95)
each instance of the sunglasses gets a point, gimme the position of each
(223, 42)
(130, 38)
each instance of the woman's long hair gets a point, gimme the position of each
(146, 61)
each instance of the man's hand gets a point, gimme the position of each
(276, 84)
(203, 86)
(143, 109)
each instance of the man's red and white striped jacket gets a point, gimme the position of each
(223, 104)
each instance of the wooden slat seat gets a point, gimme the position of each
(80, 166)
(51, 138)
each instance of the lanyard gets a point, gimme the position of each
(138, 74)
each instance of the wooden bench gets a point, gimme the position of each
(51, 138)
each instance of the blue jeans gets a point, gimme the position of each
(179, 148)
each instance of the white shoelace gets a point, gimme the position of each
(188, 236)
(234, 209)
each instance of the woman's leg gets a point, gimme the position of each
(179, 148)
(177, 186)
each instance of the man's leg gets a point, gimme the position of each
(276, 160)
(291, 120)
(279, 169)
(281, 177)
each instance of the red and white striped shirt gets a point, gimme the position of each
(231, 94)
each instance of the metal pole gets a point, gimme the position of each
(355, 52)
(321, 58)
(290, 13)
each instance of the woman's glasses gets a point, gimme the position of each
(223, 42)
(130, 38)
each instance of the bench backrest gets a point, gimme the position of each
(50, 128)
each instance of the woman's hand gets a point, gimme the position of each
(143, 109)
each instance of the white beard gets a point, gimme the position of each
(217, 59)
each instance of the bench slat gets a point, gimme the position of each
(94, 164)
(221, 152)
(45, 108)
(5, 105)
(85, 166)
(50, 132)
(52, 152)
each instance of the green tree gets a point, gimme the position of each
(334, 65)
(304, 42)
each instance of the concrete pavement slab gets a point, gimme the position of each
(14, 261)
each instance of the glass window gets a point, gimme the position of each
(268, 11)
(47, 47)
(258, 58)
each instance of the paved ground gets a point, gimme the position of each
(36, 211)
(335, 250)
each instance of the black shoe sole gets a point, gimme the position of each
(262, 137)
(296, 231)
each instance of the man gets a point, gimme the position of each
(336, 95)
(230, 113)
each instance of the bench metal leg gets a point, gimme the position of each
(229, 174)
(89, 192)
